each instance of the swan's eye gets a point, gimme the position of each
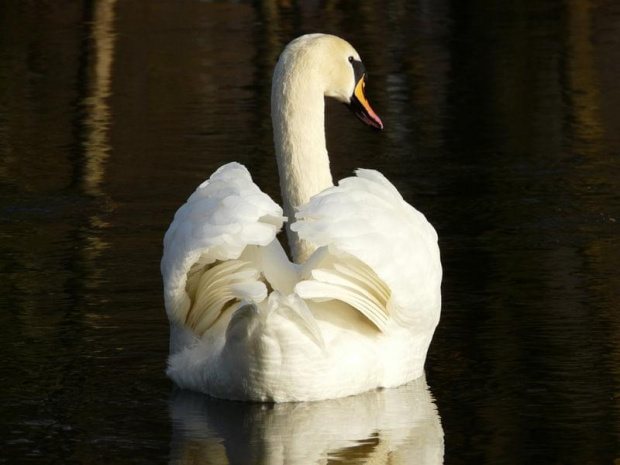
(350, 59)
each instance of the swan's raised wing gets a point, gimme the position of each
(209, 260)
(377, 253)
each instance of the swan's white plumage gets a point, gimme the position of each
(365, 217)
(220, 219)
(357, 313)
(263, 328)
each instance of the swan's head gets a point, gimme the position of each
(336, 66)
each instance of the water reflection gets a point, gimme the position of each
(395, 426)
(97, 118)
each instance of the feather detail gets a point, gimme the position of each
(212, 289)
(352, 282)
(220, 219)
(293, 306)
(365, 217)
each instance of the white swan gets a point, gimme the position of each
(358, 308)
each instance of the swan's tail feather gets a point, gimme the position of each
(240, 326)
(246, 316)
(297, 310)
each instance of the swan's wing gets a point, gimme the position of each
(378, 253)
(207, 262)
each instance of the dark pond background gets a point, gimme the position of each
(502, 126)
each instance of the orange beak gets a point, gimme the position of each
(362, 109)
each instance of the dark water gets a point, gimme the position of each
(502, 125)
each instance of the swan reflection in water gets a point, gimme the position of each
(390, 426)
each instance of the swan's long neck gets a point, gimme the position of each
(298, 114)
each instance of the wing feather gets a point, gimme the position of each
(332, 283)
(200, 266)
(383, 248)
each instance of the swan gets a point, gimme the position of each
(357, 307)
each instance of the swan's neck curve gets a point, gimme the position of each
(298, 115)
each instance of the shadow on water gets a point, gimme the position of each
(393, 426)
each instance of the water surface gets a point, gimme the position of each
(502, 126)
